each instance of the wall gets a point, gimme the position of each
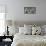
(15, 9)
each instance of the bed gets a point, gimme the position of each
(29, 40)
(24, 38)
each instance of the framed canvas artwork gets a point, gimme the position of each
(29, 10)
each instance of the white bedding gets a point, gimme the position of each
(29, 40)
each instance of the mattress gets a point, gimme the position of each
(28, 40)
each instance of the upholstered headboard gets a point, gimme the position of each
(21, 23)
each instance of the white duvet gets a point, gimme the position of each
(29, 40)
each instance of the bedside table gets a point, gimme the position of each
(4, 41)
(11, 37)
(7, 40)
(7, 43)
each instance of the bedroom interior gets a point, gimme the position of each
(22, 23)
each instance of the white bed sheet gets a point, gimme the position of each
(27, 39)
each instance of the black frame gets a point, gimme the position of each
(29, 10)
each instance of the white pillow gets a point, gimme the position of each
(36, 30)
(33, 30)
(42, 30)
(28, 31)
(28, 26)
(44, 27)
(13, 30)
(23, 30)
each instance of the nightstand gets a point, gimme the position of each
(5, 42)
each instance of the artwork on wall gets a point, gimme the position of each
(29, 10)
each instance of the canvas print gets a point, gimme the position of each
(29, 10)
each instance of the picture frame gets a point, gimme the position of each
(29, 10)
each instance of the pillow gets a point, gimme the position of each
(36, 30)
(13, 30)
(44, 26)
(44, 29)
(28, 26)
(24, 30)
(28, 31)
(21, 30)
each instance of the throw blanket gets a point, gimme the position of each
(29, 40)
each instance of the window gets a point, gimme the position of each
(2, 19)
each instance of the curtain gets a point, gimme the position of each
(2, 19)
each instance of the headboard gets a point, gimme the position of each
(21, 23)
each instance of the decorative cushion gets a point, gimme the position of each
(36, 30)
(23, 30)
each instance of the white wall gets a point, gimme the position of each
(15, 10)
